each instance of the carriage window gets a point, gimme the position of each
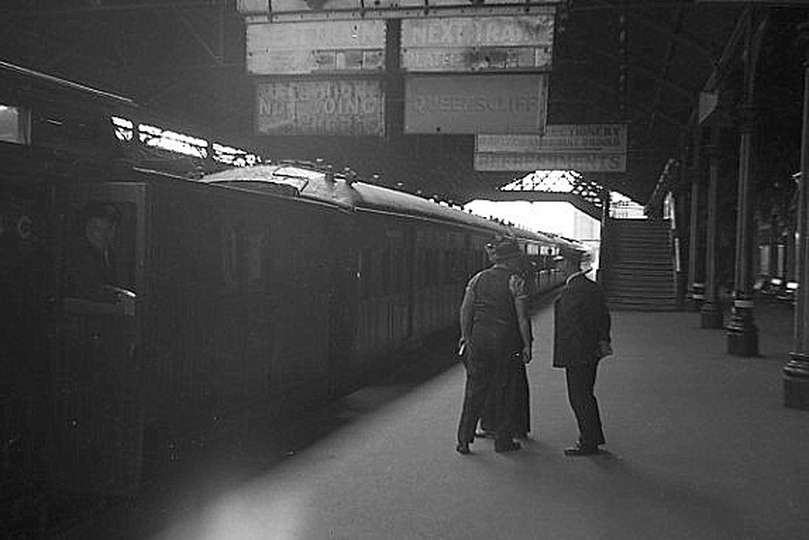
(257, 245)
(402, 270)
(385, 272)
(428, 267)
(15, 125)
(364, 271)
(434, 266)
(230, 254)
(424, 268)
(396, 271)
(101, 261)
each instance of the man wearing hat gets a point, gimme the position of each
(93, 267)
(581, 339)
(495, 336)
(91, 280)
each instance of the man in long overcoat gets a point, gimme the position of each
(581, 339)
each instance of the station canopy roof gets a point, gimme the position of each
(640, 62)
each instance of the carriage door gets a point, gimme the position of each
(96, 410)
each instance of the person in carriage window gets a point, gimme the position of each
(91, 279)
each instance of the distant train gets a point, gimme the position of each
(255, 290)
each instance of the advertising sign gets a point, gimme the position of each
(477, 43)
(476, 104)
(294, 48)
(550, 162)
(324, 107)
(580, 147)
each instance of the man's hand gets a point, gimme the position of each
(526, 354)
(461, 347)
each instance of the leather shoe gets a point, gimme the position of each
(463, 448)
(506, 446)
(580, 450)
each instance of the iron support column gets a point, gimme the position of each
(742, 333)
(606, 199)
(741, 330)
(796, 371)
(711, 312)
(696, 287)
(603, 249)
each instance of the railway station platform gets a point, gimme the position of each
(699, 446)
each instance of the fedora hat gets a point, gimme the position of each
(504, 249)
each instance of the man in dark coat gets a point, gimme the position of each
(91, 282)
(495, 339)
(581, 339)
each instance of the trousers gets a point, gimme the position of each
(490, 378)
(581, 380)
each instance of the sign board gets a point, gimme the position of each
(320, 107)
(477, 43)
(293, 48)
(456, 104)
(255, 11)
(550, 162)
(567, 138)
(580, 147)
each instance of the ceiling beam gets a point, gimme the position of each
(729, 53)
(667, 58)
(634, 107)
(686, 93)
(692, 44)
(216, 55)
(131, 6)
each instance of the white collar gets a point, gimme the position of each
(572, 276)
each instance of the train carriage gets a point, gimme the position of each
(412, 257)
(235, 306)
(52, 133)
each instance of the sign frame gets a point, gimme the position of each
(477, 44)
(476, 103)
(311, 47)
(258, 11)
(292, 106)
(582, 147)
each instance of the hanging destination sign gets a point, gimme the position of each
(512, 103)
(322, 107)
(477, 43)
(315, 47)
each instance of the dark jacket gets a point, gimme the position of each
(494, 315)
(581, 320)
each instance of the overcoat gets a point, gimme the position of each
(581, 320)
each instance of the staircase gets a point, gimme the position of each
(638, 266)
